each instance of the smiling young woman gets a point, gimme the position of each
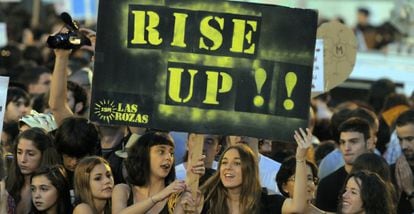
(365, 192)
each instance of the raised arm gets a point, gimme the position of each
(298, 203)
(58, 90)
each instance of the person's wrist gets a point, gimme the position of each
(62, 57)
(153, 200)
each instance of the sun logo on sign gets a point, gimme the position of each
(105, 110)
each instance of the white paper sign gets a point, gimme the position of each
(3, 34)
(10, 0)
(4, 84)
(318, 75)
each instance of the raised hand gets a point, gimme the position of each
(304, 141)
(405, 175)
(189, 204)
(198, 167)
(175, 187)
(91, 35)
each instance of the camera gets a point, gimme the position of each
(73, 39)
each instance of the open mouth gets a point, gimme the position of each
(345, 203)
(107, 189)
(228, 175)
(38, 204)
(166, 166)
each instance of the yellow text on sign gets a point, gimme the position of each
(217, 82)
(217, 32)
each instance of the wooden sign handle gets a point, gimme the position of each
(192, 180)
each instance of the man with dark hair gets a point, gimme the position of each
(211, 147)
(354, 139)
(36, 79)
(17, 104)
(334, 160)
(364, 31)
(402, 170)
(77, 98)
(76, 138)
(363, 18)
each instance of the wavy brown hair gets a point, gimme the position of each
(375, 195)
(216, 194)
(83, 192)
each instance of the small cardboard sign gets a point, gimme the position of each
(340, 49)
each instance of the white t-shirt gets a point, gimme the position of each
(181, 172)
(268, 170)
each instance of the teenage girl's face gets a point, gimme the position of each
(161, 160)
(289, 186)
(351, 198)
(16, 110)
(101, 182)
(28, 156)
(231, 170)
(44, 194)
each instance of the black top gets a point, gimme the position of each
(209, 172)
(115, 162)
(329, 190)
(268, 204)
(404, 205)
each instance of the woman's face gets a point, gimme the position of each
(231, 170)
(310, 185)
(44, 194)
(161, 160)
(351, 198)
(101, 182)
(28, 156)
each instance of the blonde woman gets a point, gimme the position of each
(93, 186)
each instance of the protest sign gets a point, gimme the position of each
(318, 75)
(3, 34)
(213, 67)
(4, 84)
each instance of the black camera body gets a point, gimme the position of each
(73, 39)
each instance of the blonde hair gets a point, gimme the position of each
(216, 194)
(83, 192)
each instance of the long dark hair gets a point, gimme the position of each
(216, 194)
(376, 164)
(59, 179)
(137, 163)
(374, 193)
(43, 142)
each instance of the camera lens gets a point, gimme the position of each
(57, 41)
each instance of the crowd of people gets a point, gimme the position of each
(355, 157)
